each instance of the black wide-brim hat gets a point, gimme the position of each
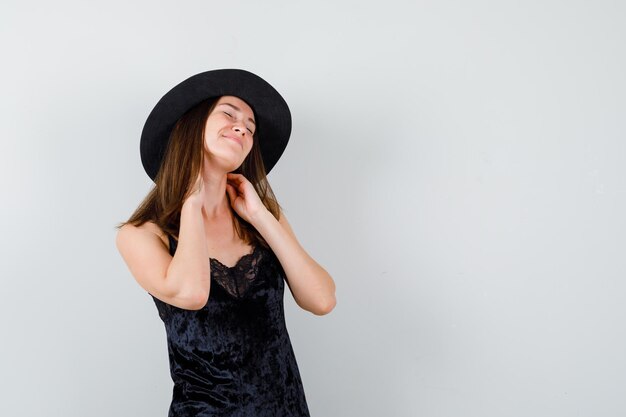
(272, 115)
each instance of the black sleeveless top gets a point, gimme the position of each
(234, 356)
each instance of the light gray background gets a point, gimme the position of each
(457, 167)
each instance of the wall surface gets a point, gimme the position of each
(457, 167)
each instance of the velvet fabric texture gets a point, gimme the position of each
(234, 357)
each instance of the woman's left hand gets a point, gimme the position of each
(243, 197)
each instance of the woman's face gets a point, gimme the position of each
(228, 132)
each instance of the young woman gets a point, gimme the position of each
(212, 247)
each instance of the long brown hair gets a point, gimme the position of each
(179, 170)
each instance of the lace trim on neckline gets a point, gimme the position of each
(239, 261)
(237, 280)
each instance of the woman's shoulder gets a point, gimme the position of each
(151, 227)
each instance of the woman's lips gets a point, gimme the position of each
(235, 139)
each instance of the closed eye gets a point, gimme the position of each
(230, 115)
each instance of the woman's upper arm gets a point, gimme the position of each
(148, 260)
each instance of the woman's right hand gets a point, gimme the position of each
(197, 193)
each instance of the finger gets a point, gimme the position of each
(236, 177)
(234, 184)
(232, 194)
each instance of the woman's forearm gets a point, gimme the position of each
(189, 272)
(311, 285)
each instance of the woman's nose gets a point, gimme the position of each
(239, 128)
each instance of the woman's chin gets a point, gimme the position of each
(227, 162)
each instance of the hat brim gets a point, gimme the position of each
(272, 114)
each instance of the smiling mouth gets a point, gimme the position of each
(235, 139)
